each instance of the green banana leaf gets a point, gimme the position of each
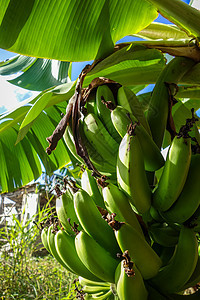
(63, 29)
(21, 163)
(38, 74)
(15, 64)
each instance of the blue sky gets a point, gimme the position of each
(12, 95)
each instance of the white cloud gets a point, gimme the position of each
(195, 4)
(10, 95)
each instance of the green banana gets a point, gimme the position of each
(154, 294)
(89, 184)
(157, 248)
(44, 238)
(117, 202)
(127, 99)
(155, 214)
(86, 282)
(92, 222)
(129, 287)
(103, 95)
(145, 258)
(174, 174)
(159, 104)
(102, 165)
(172, 277)
(99, 261)
(194, 221)
(153, 159)
(61, 213)
(131, 175)
(91, 103)
(95, 289)
(104, 296)
(164, 235)
(166, 254)
(65, 247)
(195, 277)
(189, 199)
(53, 250)
(65, 211)
(100, 139)
(69, 141)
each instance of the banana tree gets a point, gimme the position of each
(48, 37)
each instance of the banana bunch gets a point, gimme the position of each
(105, 123)
(131, 233)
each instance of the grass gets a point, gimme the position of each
(23, 275)
(39, 278)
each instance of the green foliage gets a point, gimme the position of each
(23, 273)
(38, 74)
(63, 29)
(39, 278)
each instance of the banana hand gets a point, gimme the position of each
(92, 222)
(96, 258)
(65, 247)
